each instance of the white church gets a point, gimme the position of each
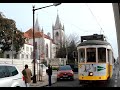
(46, 45)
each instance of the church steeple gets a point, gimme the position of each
(57, 23)
(58, 32)
(36, 27)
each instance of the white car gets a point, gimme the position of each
(10, 76)
(43, 69)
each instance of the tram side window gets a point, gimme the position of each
(82, 55)
(91, 55)
(102, 55)
(110, 56)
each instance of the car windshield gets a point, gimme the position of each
(65, 68)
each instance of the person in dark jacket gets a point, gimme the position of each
(49, 73)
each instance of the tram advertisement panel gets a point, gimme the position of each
(96, 69)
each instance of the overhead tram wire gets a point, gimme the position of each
(95, 18)
(98, 23)
(83, 30)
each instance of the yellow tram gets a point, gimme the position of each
(95, 58)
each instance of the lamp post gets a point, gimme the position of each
(66, 53)
(54, 4)
(12, 42)
(12, 45)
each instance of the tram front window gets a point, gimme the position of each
(82, 55)
(101, 55)
(91, 55)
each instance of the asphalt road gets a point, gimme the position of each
(113, 82)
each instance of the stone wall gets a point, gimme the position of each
(57, 62)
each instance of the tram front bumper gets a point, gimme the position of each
(93, 78)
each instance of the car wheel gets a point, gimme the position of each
(72, 78)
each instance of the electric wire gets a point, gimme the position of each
(95, 18)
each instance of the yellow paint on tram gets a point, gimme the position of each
(109, 71)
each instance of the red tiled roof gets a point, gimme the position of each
(46, 36)
(26, 35)
(29, 34)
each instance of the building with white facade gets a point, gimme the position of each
(45, 45)
(24, 53)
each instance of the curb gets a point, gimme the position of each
(53, 82)
(48, 85)
(43, 83)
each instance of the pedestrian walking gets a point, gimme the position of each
(49, 73)
(27, 75)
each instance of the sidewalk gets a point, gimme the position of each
(44, 81)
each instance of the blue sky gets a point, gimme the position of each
(76, 17)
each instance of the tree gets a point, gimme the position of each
(68, 48)
(71, 48)
(10, 35)
(61, 53)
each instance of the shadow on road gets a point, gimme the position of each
(95, 84)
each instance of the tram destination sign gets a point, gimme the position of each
(93, 37)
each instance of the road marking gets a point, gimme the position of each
(115, 85)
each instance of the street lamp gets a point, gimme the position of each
(12, 45)
(66, 53)
(54, 4)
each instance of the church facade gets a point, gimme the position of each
(46, 45)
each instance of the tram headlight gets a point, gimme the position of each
(90, 73)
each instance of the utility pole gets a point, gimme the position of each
(66, 53)
(34, 58)
(12, 45)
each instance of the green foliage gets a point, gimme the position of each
(71, 48)
(61, 53)
(68, 49)
(9, 33)
(1, 55)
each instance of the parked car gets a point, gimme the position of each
(65, 72)
(10, 76)
(43, 69)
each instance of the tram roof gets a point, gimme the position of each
(93, 42)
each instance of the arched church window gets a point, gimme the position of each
(46, 50)
(57, 34)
